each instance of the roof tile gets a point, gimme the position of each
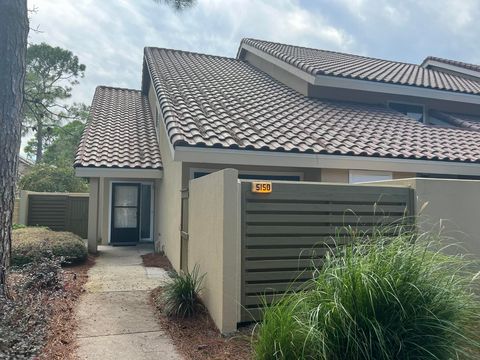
(120, 132)
(323, 62)
(260, 113)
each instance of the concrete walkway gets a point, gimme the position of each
(115, 318)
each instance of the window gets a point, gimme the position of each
(196, 173)
(415, 111)
(359, 176)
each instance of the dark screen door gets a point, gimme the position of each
(125, 214)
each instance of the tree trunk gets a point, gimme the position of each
(13, 48)
(39, 154)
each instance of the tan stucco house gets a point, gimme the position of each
(274, 112)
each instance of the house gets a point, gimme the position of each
(275, 111)
(24, 166)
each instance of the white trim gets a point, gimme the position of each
(248, 172)
(88, 172)
(365, 85)
(369, 175)
(152, 205)
(283, 159)
(451, 67)
(280, 63)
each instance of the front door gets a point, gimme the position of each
(125, 214)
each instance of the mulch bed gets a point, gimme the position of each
(156, 260)
(61, 340)
(197, 338)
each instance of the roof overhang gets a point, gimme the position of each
(363, 85)
(285, 159)
(92, 172)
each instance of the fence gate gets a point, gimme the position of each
(286, 233)
(59, 212)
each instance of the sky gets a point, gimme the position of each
(108, 36)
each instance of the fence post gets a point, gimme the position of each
(23, 208)
(93, 215)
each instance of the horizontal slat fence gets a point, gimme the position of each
(287, 233)
(59, 212)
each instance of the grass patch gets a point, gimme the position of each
(378, 298)
(33, 243)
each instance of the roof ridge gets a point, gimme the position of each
(331, 51)
(116, 88)
(147, 48)
(468, 65)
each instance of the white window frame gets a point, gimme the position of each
(362, 176)
(424, 121)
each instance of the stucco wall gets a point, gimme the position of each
(453, 205)
(168, 201)
(214, 244)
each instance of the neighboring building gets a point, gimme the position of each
(24, 166)
(274, 112)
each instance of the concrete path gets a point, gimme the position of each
(115, 318)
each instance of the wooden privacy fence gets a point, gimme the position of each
(60, 212)
(285, 234)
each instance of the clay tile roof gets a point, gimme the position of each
(462, 64)
(120, 132)
(330, 63)
(221, 102)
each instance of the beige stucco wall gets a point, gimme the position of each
(335, 176)
(169, 200)
(214, 244)
(453, 205)
(16, 211)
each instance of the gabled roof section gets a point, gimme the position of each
(120, 132)
(473, 67)
(218, 102)
(329, 63)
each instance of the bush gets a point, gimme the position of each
(18, 226)
(33, 243)
(379, 298)
(43, 274)
(180, 296)
(24, 315)
(51, 178)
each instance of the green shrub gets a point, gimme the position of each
(18, 226)
(43, 274)
(180, 296)
(378, 298)
(33, 243)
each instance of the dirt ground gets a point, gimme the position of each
(61, 340)
(197, 338)
(156, 260)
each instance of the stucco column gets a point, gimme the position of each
(23, 208)
(93, 205)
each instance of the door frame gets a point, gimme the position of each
(152, 207)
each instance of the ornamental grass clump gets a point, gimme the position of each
(378, 298)
(180, 295)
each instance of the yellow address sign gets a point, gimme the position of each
(262, 187)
